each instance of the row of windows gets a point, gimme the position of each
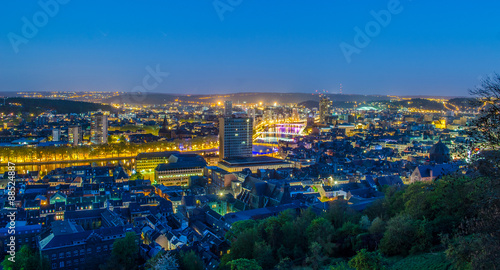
(180, 171)
(20, 240)
(68, 263)
(179, 176)
(82, 252)
(149, 164)
(23, 232)
(171, 180)
(172, 183)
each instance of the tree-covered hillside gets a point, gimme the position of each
(39, 105)
(443, 219)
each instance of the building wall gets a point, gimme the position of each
(147, 166)
(235, 137)
(177, 177)
(99, 129)
(324, 109)
(75, 135)
(80, 256)
(25, 235)
(86, 253)
(254, 168)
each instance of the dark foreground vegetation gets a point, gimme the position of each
(450, 222)
(39, 105)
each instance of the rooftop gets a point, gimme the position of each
(183, 161)
(252, 160)
(155, 155)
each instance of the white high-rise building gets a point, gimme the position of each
(228, 108)
(295, 114)
(251, 114)
(56, 135)
(75, 135)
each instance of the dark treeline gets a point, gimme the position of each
(40, 105)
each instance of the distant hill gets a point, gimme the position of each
(142, 98)
(416, 103)
(267, 98)
(309, 104)
(466, 102)
(39, 105)
(427, 96)
(9, 94)
(426, 104)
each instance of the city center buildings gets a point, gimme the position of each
(99, 128)
(235, 137)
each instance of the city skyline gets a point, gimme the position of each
(214, 47)
(249, 135)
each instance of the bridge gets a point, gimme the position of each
(272, 133)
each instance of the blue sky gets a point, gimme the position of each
(428, 48)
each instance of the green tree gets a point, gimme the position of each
(298, 240)
(244, 264)
(190, 261)
(364, 222)
(26, 259)
(377, 226)
(137, 175)
(284, 264)
(365, 260)
(263, 254)
(124, 254)
(123, 140)
(340, 213)
(399, 236)
(476, 245)
(270, 230)
(487, 124)
(423, 235)
(346, 239)
(243, 246)
(341, 266)
(321, 231)
(316, 257)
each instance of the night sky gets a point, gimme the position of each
(208, 47)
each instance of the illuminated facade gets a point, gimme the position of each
(56, 135)
(179, 169)
(145, 163)
(441, 124)
(235, 137)
(99, 128)
(325, 105)
(228, 108)
(254, 164)
(75, 136)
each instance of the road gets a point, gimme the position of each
(98, 159)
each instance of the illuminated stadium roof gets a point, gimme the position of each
(367, 108)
